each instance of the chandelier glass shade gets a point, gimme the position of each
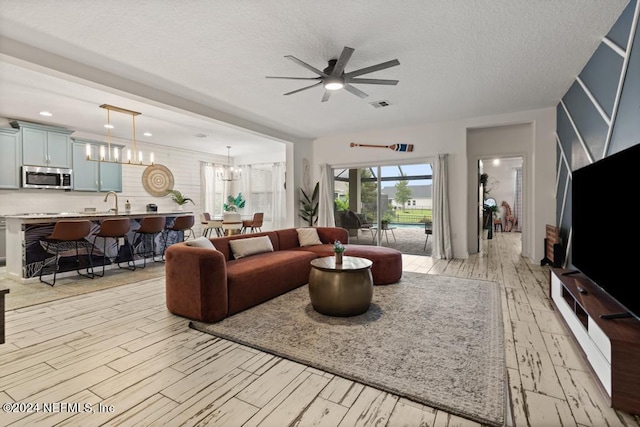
(228, 172)
(107, 154)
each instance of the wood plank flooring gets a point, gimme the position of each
(119, 353)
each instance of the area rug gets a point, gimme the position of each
(435, 340)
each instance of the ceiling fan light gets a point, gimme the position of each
(333, 84)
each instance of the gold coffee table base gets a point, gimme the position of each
(341, 290)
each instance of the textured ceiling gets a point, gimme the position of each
(457, 59)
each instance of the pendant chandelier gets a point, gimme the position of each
(228, 172)
(131, 156)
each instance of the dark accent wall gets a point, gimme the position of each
(583, 134)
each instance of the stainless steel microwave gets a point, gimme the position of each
(42, 177)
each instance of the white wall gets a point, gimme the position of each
(451, 138)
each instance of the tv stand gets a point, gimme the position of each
(610, 349)
(615, 316)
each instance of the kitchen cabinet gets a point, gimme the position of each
(44, 145)
(10, 154)
(94, 176)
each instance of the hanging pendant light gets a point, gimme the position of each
(133, 155)
(228, 172)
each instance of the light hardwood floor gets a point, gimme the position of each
(121, 352)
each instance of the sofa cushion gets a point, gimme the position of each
(308, 236)
(201, 242)
(250, 246)
(256, 279)
(222, 243)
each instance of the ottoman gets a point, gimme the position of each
(387, 262)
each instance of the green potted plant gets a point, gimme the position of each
(179, 198)
(234, 203)
(309, 209)
(338, 249)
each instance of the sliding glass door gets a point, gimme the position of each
(372, 198)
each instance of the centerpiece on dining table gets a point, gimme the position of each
(338, 249)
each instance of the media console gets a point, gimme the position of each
(611, 347)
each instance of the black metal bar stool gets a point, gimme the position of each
(150, 227)
(66, 235)
(181, 223)
(114, 229)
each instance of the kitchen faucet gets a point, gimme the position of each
(115, 210)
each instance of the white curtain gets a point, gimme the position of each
(245, 189)
(325, 203)
(207, 187)
(441, 221)
(279, 216)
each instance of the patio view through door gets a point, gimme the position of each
(385, 198)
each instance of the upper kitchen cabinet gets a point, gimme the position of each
(94, 176)
(42, 145)
(10, 158)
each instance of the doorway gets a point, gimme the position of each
(501, 186)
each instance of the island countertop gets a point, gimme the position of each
(39, 216)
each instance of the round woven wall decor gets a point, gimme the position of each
(157, 180)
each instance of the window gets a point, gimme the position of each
(262, 190)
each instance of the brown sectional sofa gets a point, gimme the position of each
(209, 285)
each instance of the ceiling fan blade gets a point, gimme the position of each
(342, 61)
(354, 90)
(325, 97)
(373, 68)
(293, 78)
(374, 81)
(304, 88)
(305, 65)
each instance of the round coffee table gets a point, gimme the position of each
(341, 290)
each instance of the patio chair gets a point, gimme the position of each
(428, 230)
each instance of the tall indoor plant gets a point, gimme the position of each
(309, 208)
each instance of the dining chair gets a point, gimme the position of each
(231, 223)
(209, 225)
(254, 224)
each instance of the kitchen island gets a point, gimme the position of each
(26, 254)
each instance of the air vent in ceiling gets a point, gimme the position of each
(380, 104)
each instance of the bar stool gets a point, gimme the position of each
(67, 233)
(150, 226)
(114, 229)
(182, 223)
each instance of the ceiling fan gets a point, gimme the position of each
(334, 78)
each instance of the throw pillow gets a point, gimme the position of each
(201, 242)
(308, 237)
(250, 246)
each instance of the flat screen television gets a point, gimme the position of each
(605, 228)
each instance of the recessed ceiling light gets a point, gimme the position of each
(147, 134)
(108, 126)
(45, 113)
(496, 162)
